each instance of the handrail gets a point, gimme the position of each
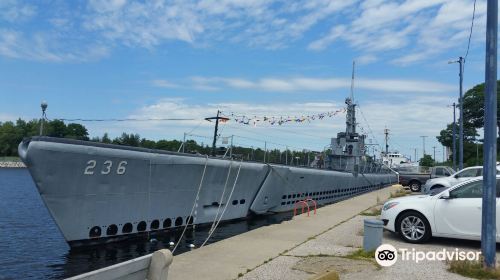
(303, 203)
(314, 201)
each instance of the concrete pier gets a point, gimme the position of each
(229, 258)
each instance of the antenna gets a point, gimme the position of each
(352, 81)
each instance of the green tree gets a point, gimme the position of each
(55, 128)
(426, 161)
(446, 135)
(474, 106)
(128, 140)
(76, 131)
(105, 138)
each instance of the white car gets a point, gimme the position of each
(454, 212)
(449, 181)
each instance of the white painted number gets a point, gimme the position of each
(121, 168)
(90, 167)
(107, 165)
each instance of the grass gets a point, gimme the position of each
(375, 211)
(329, 275)
(10, 159)
(473, 269)
(361, 255)
(399, 193)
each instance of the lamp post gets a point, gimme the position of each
(44, 106)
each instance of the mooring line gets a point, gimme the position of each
(225, 206)
(194, 205)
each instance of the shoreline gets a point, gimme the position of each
(12, 164)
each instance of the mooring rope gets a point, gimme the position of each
(222, 196)
(225, 206)
(194, 205)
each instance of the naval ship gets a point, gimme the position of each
(98, 193)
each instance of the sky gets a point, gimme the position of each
(187, 59)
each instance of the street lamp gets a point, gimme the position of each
(44, 106)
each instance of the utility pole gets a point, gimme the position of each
(44, 106)
(265, 150)
(488, 225)
(434, 148)
(454, 149)
(423, 143)
(415, 158)
(460, 62)
(217, 118)
(444, 151)
(386, 132)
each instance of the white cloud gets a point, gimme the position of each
(320, 84)
(41, 47)
(16, 11)
(407, 119)
(417, 29)
(163, 84)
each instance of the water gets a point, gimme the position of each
(31, 246)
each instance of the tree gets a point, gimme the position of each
(446, 135)
(105, 138)
(76, 131)
(474, 107)
(55, 128)
(426, 161)
(128, 140)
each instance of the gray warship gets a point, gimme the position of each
(98, 193)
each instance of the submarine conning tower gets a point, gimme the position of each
(349, 146)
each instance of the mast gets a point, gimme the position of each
(351, 110)
(217, 118)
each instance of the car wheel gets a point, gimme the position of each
(415, 186)
(413, 227)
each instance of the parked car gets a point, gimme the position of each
(454, 212)
(417, 178)
(458, 177)
(455, 178)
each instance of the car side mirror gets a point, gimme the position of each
(456, 176)
(445, 195)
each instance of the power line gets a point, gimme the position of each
(369, 128)
(470, 33)
(126, 120)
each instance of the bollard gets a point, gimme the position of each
(160, 262)
(372, 234)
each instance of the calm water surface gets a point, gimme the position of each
(31, 246)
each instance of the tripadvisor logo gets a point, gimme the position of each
(387, 255)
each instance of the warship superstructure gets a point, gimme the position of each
(99, 192)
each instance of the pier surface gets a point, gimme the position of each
(235, 256)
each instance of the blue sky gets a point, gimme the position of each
(186, 59)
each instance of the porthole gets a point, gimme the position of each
(127, 228)
(189, 220)
(155, 224)
(178, 221)
(167, 223)
(95, 232)
(283, 197)
(141, 226)
(112, 230)
(242, 201)
(283, 203)
(235, 202)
